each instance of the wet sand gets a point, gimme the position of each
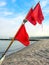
(35, 54)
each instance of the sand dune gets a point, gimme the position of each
(35, 54)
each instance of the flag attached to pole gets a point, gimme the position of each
(30, 18)
(37, 13)
(22, 36)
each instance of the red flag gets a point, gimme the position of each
(22, 36)
(30, 18)
(37, 13)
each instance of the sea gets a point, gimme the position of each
(16, 46)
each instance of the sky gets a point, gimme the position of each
(12, 13)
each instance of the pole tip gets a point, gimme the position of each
(1, 60)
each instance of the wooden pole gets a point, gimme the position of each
(8, 47)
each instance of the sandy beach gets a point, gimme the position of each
(35, 54)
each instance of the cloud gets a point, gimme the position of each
(6, 13)
(44, 3)
(46, 11)
(13, 1)
(37, 30)
(8, 27)
(2, 4)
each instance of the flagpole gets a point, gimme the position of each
(24, 21)
(8, 47)
(3, 55)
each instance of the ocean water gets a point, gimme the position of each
(16, 46)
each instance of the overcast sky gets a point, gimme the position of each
(12, 13)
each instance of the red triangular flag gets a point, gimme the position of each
(37, 13)
(30, 18)
(22, 36)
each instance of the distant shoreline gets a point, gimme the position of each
(29, 40)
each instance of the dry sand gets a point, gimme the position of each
(35, 54)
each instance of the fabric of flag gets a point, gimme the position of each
(22, 36)
(30, 18)
(37, 13)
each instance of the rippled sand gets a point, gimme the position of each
(35, 54)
